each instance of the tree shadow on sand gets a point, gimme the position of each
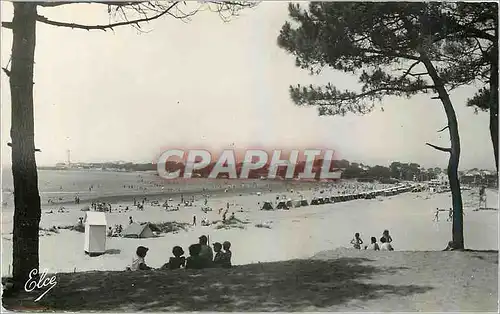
(297, 285)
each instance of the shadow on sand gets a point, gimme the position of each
(113, 251)
(297, 285)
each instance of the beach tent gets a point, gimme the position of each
(267, 206)
(296, 203)
(95, 233)
(289, 203)
(281, 205)
(135, 230)
(314, 201)
(304, 203)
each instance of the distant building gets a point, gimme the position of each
(480, 177)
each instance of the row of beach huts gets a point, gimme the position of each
(319, 200)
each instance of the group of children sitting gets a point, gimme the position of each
(385, 241)
(200, 256)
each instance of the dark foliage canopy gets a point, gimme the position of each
(381, 43)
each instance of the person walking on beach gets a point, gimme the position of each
(450, 215)
(436, 215)
(482, 197)
(194, 220)
(130, 221)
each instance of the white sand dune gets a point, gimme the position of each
(297, 233)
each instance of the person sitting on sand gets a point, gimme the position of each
(356, 242)
(194, 261)
(226, 256)
(387, 237)
(373, 246)
(177, 261)
(218, 255)
(110, 232)
(385, 246)
(206, 252)
(138, 263)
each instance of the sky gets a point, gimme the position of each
(125, 95)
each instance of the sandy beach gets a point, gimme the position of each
(296, 233)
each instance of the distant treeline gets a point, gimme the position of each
(350, 170)
(396, 171)
(108, 166)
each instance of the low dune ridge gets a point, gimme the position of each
(339, 280)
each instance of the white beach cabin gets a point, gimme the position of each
(95, 233)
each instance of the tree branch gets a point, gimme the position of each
(443, 149)
(446, 127)
(51, 4)
(397, 89)
(7, 25)
(407, 72)
(36, 149)
(45, 20)
(7, 72)
(392, 54)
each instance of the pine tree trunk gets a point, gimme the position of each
(456, 194)
(26, 198)
(494, 125)
(494, 99)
